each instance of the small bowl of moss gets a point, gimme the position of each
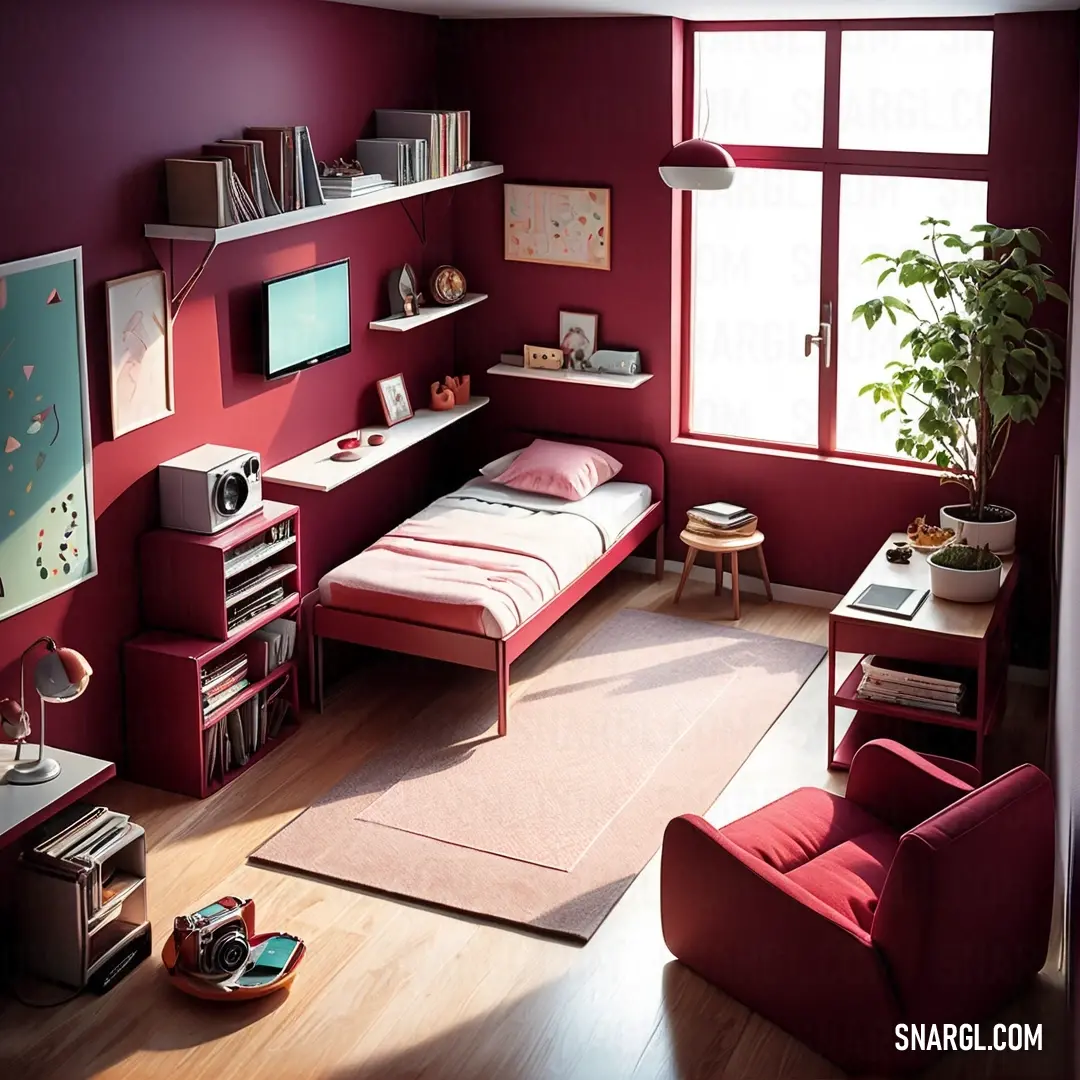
(969, 575)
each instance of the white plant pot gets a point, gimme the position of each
(1000, 535)
(965, 586)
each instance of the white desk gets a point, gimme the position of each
(25, 806)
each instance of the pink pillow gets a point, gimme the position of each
(561, 469)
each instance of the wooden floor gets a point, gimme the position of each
(391, 990)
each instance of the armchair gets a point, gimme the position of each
(917, 898)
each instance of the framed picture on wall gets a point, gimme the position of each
(394, 399)
(559, 226)
(140, 351)
(47, 541)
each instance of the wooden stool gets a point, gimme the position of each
(727, 546)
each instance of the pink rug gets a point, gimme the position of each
(648, 718)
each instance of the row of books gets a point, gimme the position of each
(720, 520)
(271, 170)
(912, 684)
(445, 131)
(229, 743)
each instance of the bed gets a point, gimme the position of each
(476, 577)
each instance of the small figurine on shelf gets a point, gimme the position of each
(405, 296)
(459, 387)
(442, 397)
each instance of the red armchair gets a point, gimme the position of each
(915, 899)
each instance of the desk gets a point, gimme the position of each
(942, 632)
(25, 806)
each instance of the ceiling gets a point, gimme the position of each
(718, 9)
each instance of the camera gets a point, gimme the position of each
(213, 943)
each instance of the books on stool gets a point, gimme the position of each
(720, 520)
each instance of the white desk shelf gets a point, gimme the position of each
(316, 471)
(333, 208)
(581, 378)
(401, 323)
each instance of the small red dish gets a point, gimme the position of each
(376, 440)
(351, 443)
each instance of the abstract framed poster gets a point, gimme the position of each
(47, 542)
(140, 351)
(559, 226)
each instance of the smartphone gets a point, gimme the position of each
(268, 960)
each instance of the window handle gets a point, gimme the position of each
(823, 338)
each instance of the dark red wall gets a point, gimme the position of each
(93, 96)
(607, 120)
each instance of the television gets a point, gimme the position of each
(306, 318)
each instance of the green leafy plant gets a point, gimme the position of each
(975, 365)
(963, 557)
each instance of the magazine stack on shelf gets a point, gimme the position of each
(223, 680)
(720, 521)
(911, 684)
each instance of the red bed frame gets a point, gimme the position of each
(641, 465)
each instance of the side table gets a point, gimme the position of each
(973, 636)
(730, 546)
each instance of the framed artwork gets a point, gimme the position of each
(577, 339)
(560, 226)
(140, 351)
(47, 542)
(394, 399)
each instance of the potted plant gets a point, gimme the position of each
(974, 364)
(971, 575)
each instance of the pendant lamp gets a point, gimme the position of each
(698, 165)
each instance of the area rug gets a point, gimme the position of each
(648, 718)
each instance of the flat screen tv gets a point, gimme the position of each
(306, 318)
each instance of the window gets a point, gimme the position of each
(840, 154)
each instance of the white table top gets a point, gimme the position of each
(24, 806)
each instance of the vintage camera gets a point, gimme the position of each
(213, 943)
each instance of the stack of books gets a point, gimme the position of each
(720, 520)
(223, 680)
(348, 187)
(918, 686)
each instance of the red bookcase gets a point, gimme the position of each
(196, 584)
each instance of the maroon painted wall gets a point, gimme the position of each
(823, 519)
(93, 96)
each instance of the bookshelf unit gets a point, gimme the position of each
(191, 583)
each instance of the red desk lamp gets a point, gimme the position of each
(60, 675)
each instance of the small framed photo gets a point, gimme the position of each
(577, 338)
(140, 351)
(394, 399)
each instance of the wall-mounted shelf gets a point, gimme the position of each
(333, 208)
(316, 471)
(401, 323)
(583, 378)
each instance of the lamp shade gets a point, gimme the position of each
(62, 674)
(698, 165)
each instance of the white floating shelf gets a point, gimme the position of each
(316, 471)
(586, 378)
(333, 208)
(401, 323)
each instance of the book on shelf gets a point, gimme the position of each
(223, 669)
(213, 702)
(250, 608)
(291, 165)
(445, 131)
(231, 741)
(248, 159)
(405, 161)
(347, 187)
(935, 676)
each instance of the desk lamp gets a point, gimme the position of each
(60, 675)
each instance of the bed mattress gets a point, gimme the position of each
(485, 558)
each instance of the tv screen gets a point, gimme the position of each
(306, 318)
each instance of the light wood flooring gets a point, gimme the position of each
(391, 990)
